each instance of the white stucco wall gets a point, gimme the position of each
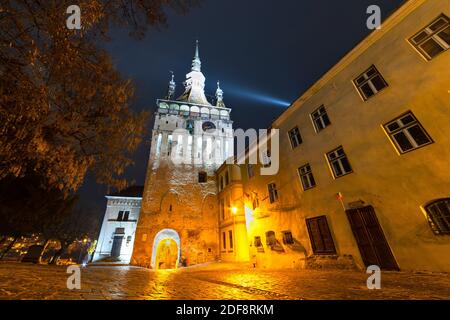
(110, 223)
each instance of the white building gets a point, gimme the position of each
(116, 239)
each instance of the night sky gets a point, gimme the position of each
(264, 52)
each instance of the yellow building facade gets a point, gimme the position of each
(232, 220)
(364, 172)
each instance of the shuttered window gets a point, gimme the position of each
(320, 235)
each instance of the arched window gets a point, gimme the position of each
(184, 110)
(195, 111)
(438, 214)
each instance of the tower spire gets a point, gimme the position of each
(196, 63)
(219, 96)
(171, 87)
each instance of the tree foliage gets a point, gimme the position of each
(64, 109)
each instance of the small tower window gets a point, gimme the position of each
(126, 215)
(202, 177)
(120, 216)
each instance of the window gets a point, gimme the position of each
(306, 177)
(320, 119)
(270, 239)
(189, 147)
(224, 240)
(273, 193)
(221, 183)
(230, 238)
(170, 208)
(255, 202)
(169, 145)
(258, 242)
(120, 231)
(370, 83)
(438, 214)
(158, 144)
(265, 159)
(339, 163)
(320, 236)
(227, 178)
(250, 171)
(222, 209)
(407, 133)
(434, 39)
(287, 237)
(126, 215)
(202, 177)
(295, 137)
(120, 216)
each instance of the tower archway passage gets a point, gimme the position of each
(166, 250)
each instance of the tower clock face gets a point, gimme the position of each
(208, 126)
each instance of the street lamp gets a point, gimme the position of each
(234, 210)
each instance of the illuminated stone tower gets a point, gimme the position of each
(191, 138)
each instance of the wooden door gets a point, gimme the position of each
(320, 235)
(117, 245)
(370, 238)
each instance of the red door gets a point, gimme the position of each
(370, 238)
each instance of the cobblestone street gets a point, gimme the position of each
(26, 281)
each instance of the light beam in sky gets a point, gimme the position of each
(248, 94)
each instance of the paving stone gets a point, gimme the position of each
(26, 281)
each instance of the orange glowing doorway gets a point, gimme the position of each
(166, 254)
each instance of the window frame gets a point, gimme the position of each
(368, 80)
(287, 235)
(436, 227)
(257, 242)
(308, 175)
(272, 199)
(320, 117)
(230, 239)
(298, 137)
(404, 129)
(271, 239)
(431, 35)
(338, 158)
(224, 240)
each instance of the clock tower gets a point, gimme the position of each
(191, 138)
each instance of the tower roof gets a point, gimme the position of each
(195, 82)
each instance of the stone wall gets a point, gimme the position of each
(174, 199)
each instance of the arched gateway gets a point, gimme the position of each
(166, 250)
